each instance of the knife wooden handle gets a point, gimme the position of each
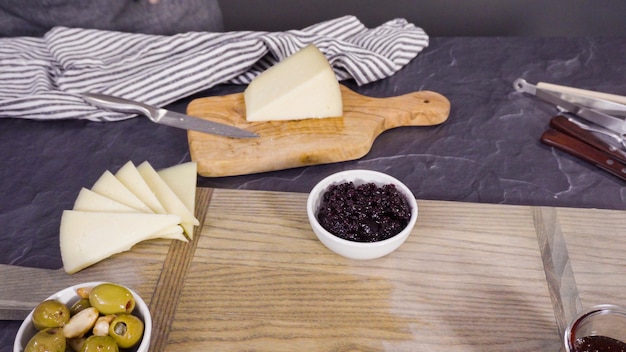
(584, 92)
(585, 152)
(563, 124)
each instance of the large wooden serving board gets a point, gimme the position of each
(471, 277)
(289, 144)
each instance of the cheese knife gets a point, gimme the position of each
(584, 151)
(595, 110)
(578, 129)
(165, 117)
(582, 92)
(600, 118)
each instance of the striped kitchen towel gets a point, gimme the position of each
(41, 78)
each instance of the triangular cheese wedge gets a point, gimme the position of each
(88, 200)
(167, 197)
(182, 179)
(130, 177)
(301, 86)
(89, 237)
(110, 187)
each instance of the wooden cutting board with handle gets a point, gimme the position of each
(295, 143)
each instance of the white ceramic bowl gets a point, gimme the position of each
(69, 297)
(352, 249)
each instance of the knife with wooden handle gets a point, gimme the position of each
(564, 124)
(585, 152)
(577, 91)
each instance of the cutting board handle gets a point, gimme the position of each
(422, 108)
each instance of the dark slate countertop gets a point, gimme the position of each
(488, 151)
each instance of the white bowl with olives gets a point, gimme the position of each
(92, 316)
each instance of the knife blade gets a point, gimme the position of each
(585, 152)
(611, 122)
(165, 117)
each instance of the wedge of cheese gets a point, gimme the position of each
(301, 86)
(89, 237)
(167, 197)
(182, 179)
(109, 186)
(130, 177)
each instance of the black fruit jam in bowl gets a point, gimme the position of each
(362, 214)
(598, 328)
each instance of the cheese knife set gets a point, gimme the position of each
(590, 125)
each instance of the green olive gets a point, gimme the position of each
(50, 340)
(50, 314)
(126, 329)
(81, 304)
(99, 344)
(110, 298)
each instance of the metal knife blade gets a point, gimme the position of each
(585, 152)
(613, 123)
(165, 117)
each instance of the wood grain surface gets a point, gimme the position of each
(289, 144)
(471, 277)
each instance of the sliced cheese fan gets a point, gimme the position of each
(114, 215)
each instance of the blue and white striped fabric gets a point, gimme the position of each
(41, 78)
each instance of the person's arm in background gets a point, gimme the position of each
(166, 17)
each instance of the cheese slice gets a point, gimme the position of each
(89, 237)
(167, 197)
(130, 177)
(301, 86)
(88, 200)
(110, 187)
(182, 179)
(172, 233)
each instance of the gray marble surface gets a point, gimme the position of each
(488, 151)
